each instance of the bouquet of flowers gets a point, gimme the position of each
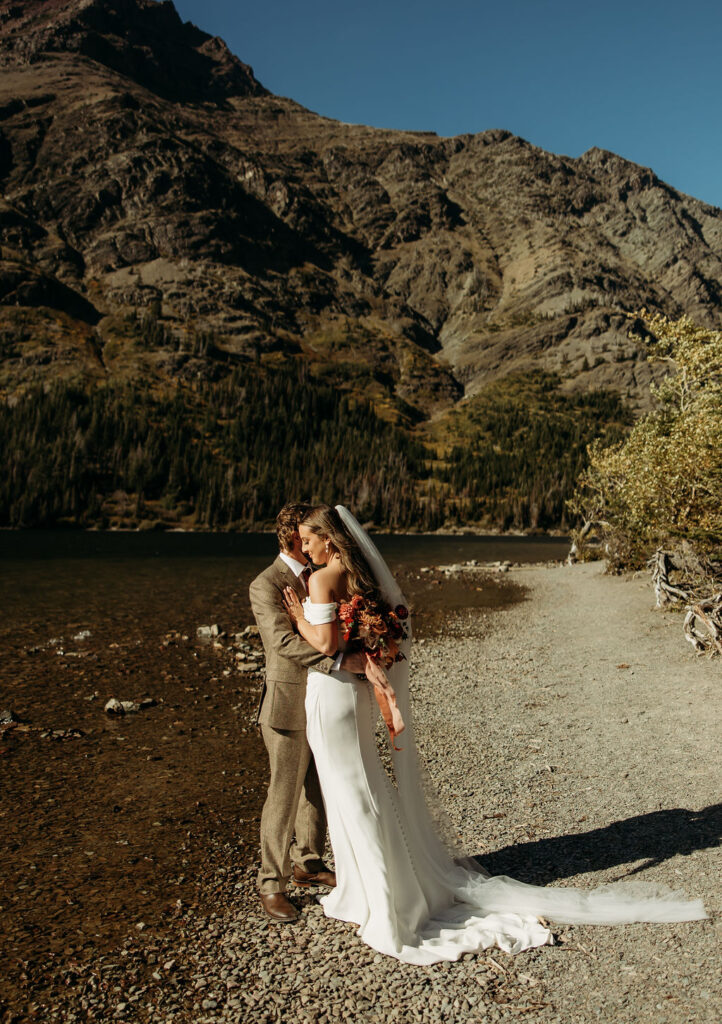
(375, 629)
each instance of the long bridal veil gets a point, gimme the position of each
(462, 882)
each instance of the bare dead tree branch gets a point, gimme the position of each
(703, 625)
(661, 564)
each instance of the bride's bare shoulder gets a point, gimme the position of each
(327, 584)
(323, 584)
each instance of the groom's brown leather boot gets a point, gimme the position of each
(278, 908)
(322, 877)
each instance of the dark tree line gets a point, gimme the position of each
(228, 453)
(525, 445)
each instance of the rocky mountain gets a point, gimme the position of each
(147, 174)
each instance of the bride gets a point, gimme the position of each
(395, 879)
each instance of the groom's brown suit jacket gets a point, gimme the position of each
(288, 656)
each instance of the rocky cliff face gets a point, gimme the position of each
(145, 172)
(141, 40)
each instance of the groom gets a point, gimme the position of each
(293, 804)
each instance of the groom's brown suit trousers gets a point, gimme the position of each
(293, 821)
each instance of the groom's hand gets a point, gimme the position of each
(354, 662)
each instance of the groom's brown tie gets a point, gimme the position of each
(305, 576)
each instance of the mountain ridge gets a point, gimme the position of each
(184, 257)
(139, 38)
(448, 262)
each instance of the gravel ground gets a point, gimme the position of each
(573, 739)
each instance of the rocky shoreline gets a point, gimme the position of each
(571, 739)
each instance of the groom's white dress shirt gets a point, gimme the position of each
(293, 564)
(297, 568)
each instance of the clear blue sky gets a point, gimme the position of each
(642, 78)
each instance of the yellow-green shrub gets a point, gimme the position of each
(664, 481)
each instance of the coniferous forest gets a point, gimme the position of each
(520, 446)
(226, 454)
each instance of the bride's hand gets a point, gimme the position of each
(293, 605)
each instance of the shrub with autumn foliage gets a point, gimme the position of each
(662, 485)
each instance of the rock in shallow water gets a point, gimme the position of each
(121, 707)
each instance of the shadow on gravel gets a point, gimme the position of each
(652, 838)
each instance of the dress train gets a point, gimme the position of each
(395, 879)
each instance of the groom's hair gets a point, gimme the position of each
(287, 522)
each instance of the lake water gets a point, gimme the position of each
(58, 580)
(105, 822)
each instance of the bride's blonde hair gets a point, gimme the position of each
(326, 523)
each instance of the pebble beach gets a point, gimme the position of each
(572, 739)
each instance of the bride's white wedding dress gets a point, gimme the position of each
(395, 878)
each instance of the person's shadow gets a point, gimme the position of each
(652, 838)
